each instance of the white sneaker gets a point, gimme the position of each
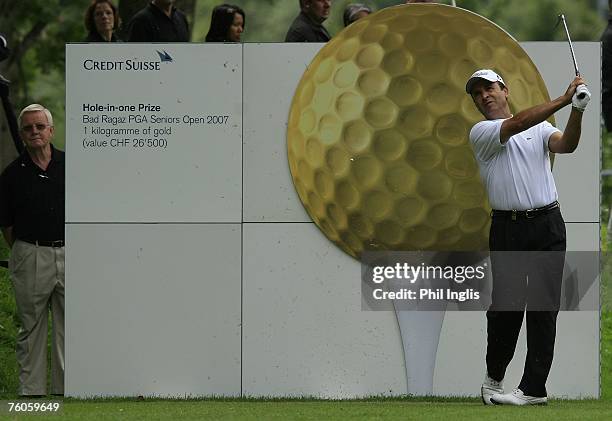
(489, 388)
(517, 397)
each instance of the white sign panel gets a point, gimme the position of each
(154, 133)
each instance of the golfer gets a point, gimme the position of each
(512, 155)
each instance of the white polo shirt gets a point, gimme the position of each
(516, 174)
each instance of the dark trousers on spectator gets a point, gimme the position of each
(527, 259)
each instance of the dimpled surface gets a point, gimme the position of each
(378, 131)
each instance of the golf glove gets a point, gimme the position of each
(581, 103)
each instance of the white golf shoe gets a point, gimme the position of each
(489, 388)
(517, 397)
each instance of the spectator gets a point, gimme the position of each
(226, 24)
(101, 20)
(11, 120)
(355, 11)
(32, 192)
(308, 25)
(159, 21)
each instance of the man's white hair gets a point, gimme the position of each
(33, 108)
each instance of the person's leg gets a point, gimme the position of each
(57, 314)
(503, 329)
(541, 332)
(29, 270)
(544, 295)
(505, 315)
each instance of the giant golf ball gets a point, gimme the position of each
(378, 131)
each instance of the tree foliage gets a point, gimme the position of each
(36, 32)
(536, 20)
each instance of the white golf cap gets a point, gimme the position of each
(486, 74)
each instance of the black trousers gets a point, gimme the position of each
(527, 259)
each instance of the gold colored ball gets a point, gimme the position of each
(378, 134)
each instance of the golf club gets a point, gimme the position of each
(569, 40)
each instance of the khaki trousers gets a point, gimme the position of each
(37, 274)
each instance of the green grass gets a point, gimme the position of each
(606, 281)
(606, 355)
(384, 409)
(8, 330)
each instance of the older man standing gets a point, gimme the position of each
(32, 222)
(308, 25)
(512, 153)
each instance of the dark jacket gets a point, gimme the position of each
(304, 29)
(152, 25)
(94, 36)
